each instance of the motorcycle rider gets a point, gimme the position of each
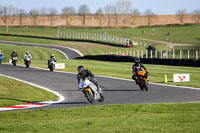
(26, 56)
(137, 65)
(1, 56)
(52, 58)
(85, 73)
(14, 54)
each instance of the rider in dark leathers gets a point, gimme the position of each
(137, 65)
(82, 74)
(14, 54)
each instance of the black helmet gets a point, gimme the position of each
(80, 68)
(137, 60)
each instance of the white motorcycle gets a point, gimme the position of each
(90, 91)
(27, 62)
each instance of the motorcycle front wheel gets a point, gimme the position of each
(89, 96)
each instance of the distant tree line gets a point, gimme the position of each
(121, 11)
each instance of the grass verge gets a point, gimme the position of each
(145, 118)
(13, 92)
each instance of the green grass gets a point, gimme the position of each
(13, 92)
(178, 34)
(143, 118)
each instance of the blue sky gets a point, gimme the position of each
(157, 6)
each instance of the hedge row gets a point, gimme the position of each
(174, 62)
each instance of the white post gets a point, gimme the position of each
(173, 54)
(188, 54)
(197, 55)
(180, 54)
(161, 54)
(146, 54)
(156, 55)
(142, 54)
(151, 54)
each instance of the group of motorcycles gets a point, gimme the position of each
(27, 61)
(89, 88)
(92, 94)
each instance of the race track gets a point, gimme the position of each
(116, 91)
(69, 52)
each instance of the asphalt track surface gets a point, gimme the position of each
(116, 91)
(69, 52)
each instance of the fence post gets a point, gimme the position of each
(146, 54)
(142, 54)
(180, 54)
(197, 55)
(156, 55)
(188, 54)
(173, 54)
(161, 54)
(151, 54)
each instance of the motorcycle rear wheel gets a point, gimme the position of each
(145, 85)
(14, 63)
(89, 96)
(101, 98)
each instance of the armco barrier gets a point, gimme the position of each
(114, 58)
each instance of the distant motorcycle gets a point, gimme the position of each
(1, 59)
(27, 62)
(142, 79)
(90, 91)
(14, 60)
(51, 66)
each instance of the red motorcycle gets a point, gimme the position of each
(27, 62)
(142, 79)
(14, 60)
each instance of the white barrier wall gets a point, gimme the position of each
(181, 77)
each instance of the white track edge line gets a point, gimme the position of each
(75, 50)
(61, 98)
(62, 53)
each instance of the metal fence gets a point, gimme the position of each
(161, 54)
(116, 40)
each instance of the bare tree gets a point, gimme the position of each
(21, 15)
(181, 15)
(149, 16)
(12, 13)
(34, 14)
(43, 14)
(68, 13)
(99, 15)
(83, 11)
(196, 16)
(124, 9)
(115, 16)
(52, 12)
(4, 13)
(1, 11)
(109, 11)
(134, 15)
